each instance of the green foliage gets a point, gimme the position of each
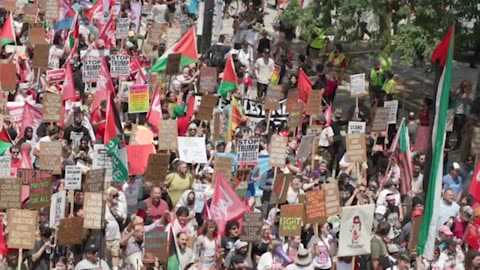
(304, 19)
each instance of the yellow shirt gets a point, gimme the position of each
(177, 185)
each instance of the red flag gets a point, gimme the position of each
(32, 117)
(328, 114)
(190, 107)
(26, 161)
(108, 33)
(65, 10)
(304, 85)
(154, 115)
(3, 243)
(68, 86)
(226, 205)
(474, 188)
(441, 51)
(140, 78)
(134, 65)
(97, 11)
(105, 85)
(473, 235)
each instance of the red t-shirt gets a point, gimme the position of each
(156, 212)
(15, 166)
(182, 125)
(100, 129)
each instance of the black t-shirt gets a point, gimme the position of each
(227, 242)
(346, 191)
(43, 262)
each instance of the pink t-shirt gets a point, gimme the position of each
(156, 212)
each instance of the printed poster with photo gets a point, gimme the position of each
(355, 230)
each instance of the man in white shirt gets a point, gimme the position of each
(264, 67)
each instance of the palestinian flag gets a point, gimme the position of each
(74, 33)
(186, 46)
(280, 189)
(173, 262)
(5, 140)
(235, 118)
(115, 142)
(230, 79)
(7, 34)
(428, 230)
(401, 150)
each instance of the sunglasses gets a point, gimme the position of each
(116, 195)
(15, 153)
(233, 228)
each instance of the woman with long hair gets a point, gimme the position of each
(472, 260)
(207, 245)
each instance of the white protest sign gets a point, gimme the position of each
(5, 166)
(357, 84)
(392, 109)
(356, 230)
(91, 63)
(54, 56)
(192, 149)
(122, 27)
(247, 150)
(119, 65)
(356, 127)
(73, 177)
(57, 208)
(102, 160)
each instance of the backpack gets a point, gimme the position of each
(217, 56)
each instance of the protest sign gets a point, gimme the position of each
(209, 102)
(40, 193)
(138, 99)
(356, 231)
(8, 77)
(380, 120)
(251, 227)
(40, 56)
(30, 13)
(305, 148)
(247, 150)
(208, 79)
(167, 135)
(57, 208)
(422, 139)
(73, 177)
(51, 156)
(357, 85)
(52, 107)
(30, 175)
(315, 207)
(332, 199)
(278, 151)
(392, 109)
(92, 210)
(124, 90)
(314, 130)
(141, 152)
(157, 168)
(119, 65)
(54, 56)
(122, 27)
(291, 219)
(9, 5)
(192, 149)
(94, 180)
(156, 33)
(173, 63)
(280, 187)
(273, 97)
(10, 193)
(5, 166)
(356, 148)
(102, 160)
(156, 242)
(222, 165)
(292, 98)
(295, 118)
(51, 10)
(56, 75)
(217, 125)
(70, 231)
(314, 103)
(91, 63)
(475, 150)
(36, 33)
(356, 127)
(22, 228)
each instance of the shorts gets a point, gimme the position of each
(113, 247)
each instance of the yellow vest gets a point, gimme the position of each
(337, 61)
(389, 86)
(386, 63)
(318, 42)
(376, 77)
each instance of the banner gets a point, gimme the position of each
(91, 63)
(119, 65)
(192, 149)
(356, 230)
(138, 99)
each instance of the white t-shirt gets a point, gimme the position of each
(326, 133)
(85, 264)
(382, 197)
(297, 267)
(264, 70)
(322, 259)
(246, 58)
(158, 12)
(267, 261)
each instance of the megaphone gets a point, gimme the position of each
(282, 255)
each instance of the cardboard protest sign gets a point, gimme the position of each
(91, 63)
(30, 175)
(73, 177)
(157, 168)
(332, 199)
(36, 33)
(475, 150)
(305, 147)
(295, 118)
(5, 166)
(51, 156)
(356, 229)
(209, 102)
(138, 99)
(119, 65)
(356, 148)
(251, 227)
(292, 98)
(392, 109)
(414, 233)
(10, 193)
(278, 151)
(8, 77)
(94, 180)
(70, 231)
(273, 97)
(40, 56)
(291, 219)
(56, 75)
(52, 107)
(9, 5)
(173, 63)
(314, 103)
(380, 120)
(223, 165)
(314, 130)
(357, 85)
(208, 79)
(156, 242)
(156, 33)
(122, 27)
(22, 228)
(217, 125)
(40, 193)
(192, 149)
(92, 210)
(355, 127)
(167, 135)
(422, 139)
(51, 9)
(57, 208)
(30, 13)
(315, 207)
(247, 150)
